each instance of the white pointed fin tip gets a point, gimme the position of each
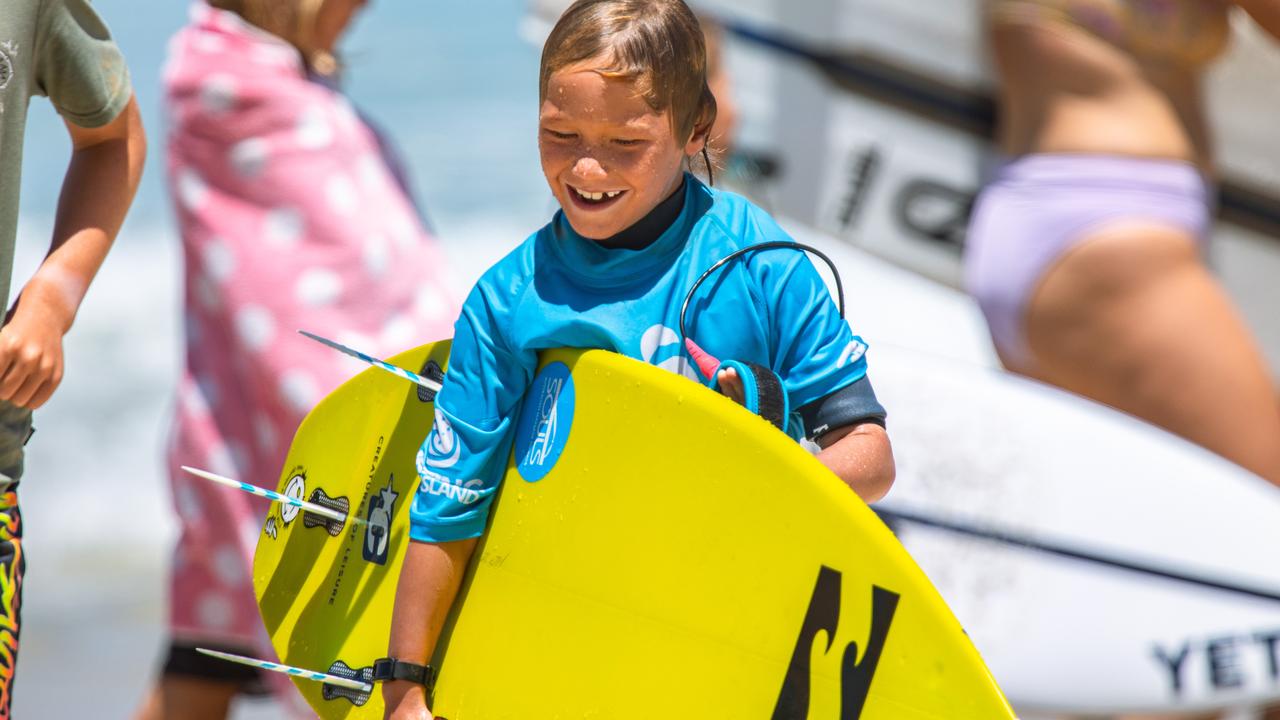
(289, 670)
(396, 370)
(310, 507)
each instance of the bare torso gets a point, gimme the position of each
(1106, 76)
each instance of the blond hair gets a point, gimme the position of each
(294, 21)
(657, 44)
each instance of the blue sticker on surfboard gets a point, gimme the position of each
(545, 421)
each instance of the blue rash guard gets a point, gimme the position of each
(559, 289)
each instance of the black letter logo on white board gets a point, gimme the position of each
(855, 675)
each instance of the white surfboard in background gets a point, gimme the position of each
(1002, 462)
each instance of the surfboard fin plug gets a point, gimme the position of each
(357, 697)
(433, 372)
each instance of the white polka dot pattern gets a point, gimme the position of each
(192, 190)
(353, 366)
(210, 44)
(404, 231)
(319, 287)
(264, 432)
(376, 254)
(220, 461)
(283, 226)
(215, 611)
(228, 566)
(255, 326)
(430, 304)
(398, 334)
(341, 193)
(219, 260)
(218, 94)
(314, 131)
(299, 389)
(249, 157)
(188, 502)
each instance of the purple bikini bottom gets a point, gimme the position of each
(1037, 207)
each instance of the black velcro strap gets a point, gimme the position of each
(852, 404)
(770, 402)
(385, 669)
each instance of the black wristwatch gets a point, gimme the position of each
(389, 668)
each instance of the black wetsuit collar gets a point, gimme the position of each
(649, 228)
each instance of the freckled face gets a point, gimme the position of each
(608, 157)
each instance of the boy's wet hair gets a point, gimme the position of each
(657, 44)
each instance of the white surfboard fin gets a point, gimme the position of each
(310, 507)
(431, 384)
(326, 678)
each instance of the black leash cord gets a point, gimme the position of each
(684, 307)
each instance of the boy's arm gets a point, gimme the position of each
(1264, 12)
(862, 457)
(106, 165)
(429, 582)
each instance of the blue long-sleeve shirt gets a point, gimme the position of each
(559, 289)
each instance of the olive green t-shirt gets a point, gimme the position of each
(60, 49)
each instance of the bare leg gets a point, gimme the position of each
(1133, 319)
(183, 698)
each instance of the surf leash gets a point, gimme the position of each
(762, 389)
(706, 362)
(429, 383)
(310, 507)
(320, 677)
(1119, 563)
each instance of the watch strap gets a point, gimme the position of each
(389, 668)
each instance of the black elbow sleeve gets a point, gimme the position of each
(852, 404)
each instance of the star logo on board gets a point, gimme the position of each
(377, 535)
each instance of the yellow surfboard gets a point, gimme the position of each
(656, 550)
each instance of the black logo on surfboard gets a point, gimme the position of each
(1229, 661)
(855, 674)
(377, 534)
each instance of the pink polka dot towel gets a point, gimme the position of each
(290, 219)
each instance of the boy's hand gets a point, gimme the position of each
(731, 385)
(31, 362)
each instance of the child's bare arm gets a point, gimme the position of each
(429, 583)
(861, 456)
(105, 168)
